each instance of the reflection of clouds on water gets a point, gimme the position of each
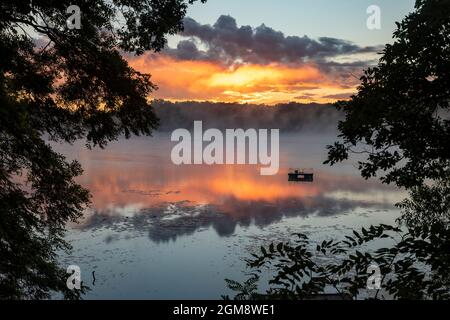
(136, 189)
(151, 221)
(183, 218)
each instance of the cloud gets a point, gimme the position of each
(273, 83)
(339, 96)
(228, 43)
(225, 62)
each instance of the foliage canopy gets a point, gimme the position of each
(65, 84)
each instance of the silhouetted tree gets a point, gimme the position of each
(400, 116)
(427, 205)
(65, 84)
(400, 120)
(415, 266)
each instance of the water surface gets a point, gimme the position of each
(160, 231)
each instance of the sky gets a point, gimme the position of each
(271, 51)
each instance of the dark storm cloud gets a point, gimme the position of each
(187, 50)
(226, 42)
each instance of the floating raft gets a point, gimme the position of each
(301, 175)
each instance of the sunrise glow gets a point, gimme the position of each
(180, 80)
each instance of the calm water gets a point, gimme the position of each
(158, 231)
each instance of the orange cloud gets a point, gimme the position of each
(250, 83)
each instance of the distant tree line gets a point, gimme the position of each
(288, 117)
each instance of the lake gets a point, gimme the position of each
(160, 231)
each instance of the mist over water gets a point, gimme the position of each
(156, 230)
(288, 117)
